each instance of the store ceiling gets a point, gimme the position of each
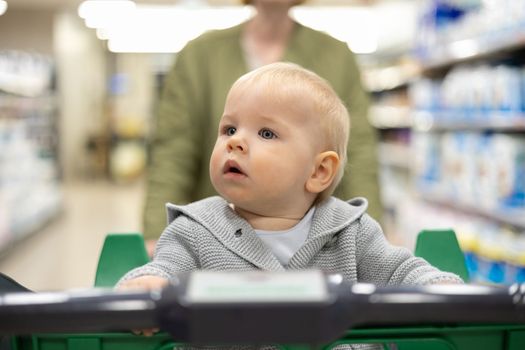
(54, 4)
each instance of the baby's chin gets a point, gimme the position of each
(255, 210)
(258, 204)
(244, 206)
(252, 203)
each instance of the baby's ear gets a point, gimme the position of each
(324, 172)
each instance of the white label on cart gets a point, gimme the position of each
(257, 286)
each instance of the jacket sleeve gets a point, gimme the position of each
(361, 172)
(175, 253)
(381, 263)
(175, 148)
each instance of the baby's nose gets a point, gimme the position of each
(236, 143)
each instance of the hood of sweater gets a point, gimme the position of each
(330, 216)
(216, 216)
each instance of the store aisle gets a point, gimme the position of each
(64, 254)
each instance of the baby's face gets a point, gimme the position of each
(265, 150)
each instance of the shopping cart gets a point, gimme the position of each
(428, 318)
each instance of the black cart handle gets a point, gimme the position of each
(197, 308)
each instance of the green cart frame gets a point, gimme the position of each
(122, 252)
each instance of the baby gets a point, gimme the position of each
(280, 152)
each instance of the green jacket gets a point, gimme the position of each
(193, 101)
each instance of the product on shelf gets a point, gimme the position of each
(477, 169)
(456, 29)
(25, 74)
(474, 94)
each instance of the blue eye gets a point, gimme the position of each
(230, 130)
(267, 134)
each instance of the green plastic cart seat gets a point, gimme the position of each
(441, 249)
(120, 253)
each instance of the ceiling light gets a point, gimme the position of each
(131, 27)
(3, 7)
(166, 29)
(104, 8)
(357, 26)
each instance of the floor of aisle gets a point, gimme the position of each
(64, 254)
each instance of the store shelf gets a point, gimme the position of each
(394, 155)
(381, 87)
(391, 117)
(509, 216)
(30, 194)
(468, 128)
(472, 121)
(386, 79)
(473, 49)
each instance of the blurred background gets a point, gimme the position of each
(79, 81)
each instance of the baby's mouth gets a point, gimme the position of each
(232, 167)
(234, 170)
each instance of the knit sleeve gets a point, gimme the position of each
(381, 263)
(175, 253)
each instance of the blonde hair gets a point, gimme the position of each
(293, 81)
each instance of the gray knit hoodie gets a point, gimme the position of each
(343, 239)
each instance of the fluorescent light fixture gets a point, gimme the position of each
(166, 29)
(354, 25)
(3, 7)
(131, 27)
(104, 8)
(98, 13)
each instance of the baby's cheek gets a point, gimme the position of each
(214, 166)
